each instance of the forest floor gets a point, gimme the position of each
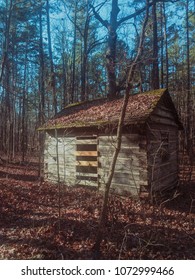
(30, 227)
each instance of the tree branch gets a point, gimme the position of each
(141, 11)
(129, 83)
(99, 18)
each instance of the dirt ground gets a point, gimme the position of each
(38, 223)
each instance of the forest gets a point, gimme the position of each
(54, 53)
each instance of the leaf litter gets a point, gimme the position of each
(31, 228)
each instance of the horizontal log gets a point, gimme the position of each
(163, 186)
(86, 158)
(143, 182)
(70, 168)
(164, 180)
(62, 152)
(156, 136)
(107, 146)
(86, 153)
(69, 160)
(164, 109)
(122, 159)
(143, 175)
(86, 169)
(159, 141)
(157, 160)
(161, 115)
(86, 141)
(70, 178)
(129, 181)
(86, 147)
(128, 165)
(86, 183)
(159, 120)
(91, 175)
(125, 152)
(126, 139)
(86, 163)
(87, 178)
(125, 172)
(123, 189)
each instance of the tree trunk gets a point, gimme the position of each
(84, 61)
(24, 121)
(53, 80)
(129, 83)
(74, 56)
(111, 52)
(166, 46)
(189, 101)
(41, 94)
(155, 67)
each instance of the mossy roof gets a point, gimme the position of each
(101, 112)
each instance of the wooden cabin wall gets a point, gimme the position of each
(162, 138)
(86, 161)
(130, 172)
(65, 146)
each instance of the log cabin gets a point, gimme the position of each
(80, 141)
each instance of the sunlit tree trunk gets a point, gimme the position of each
(52, 74)
(41, 92)
(155, 66)
(128, 89)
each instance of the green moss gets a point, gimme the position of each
(75, 125)
(159, 91)
(152, 96)
(84, 102)
(75, 104)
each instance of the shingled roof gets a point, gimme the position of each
(101, 112)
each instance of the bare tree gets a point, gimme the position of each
(52, 74)
(112, 26)
(129, 84)
(155, 67)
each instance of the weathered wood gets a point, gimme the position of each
(86, 158)
(86, 163)
(166, 121)
(167, 184)
(87, 169)
(122, 164)
(140, 161)
(125, 190)
(162, 171)
(127, 140)
(91, 175)
(143, 175)
(125, 152)
(86, 141)
(86, 153)
(112, 147)
(86, 183)
(86, 147)
(86, 178)
(129, 181)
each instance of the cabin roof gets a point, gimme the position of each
(101, 112)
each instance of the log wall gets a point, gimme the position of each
(86, 161)
(131, 167)
(66, 147)
(162, 137)
(147, 161)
